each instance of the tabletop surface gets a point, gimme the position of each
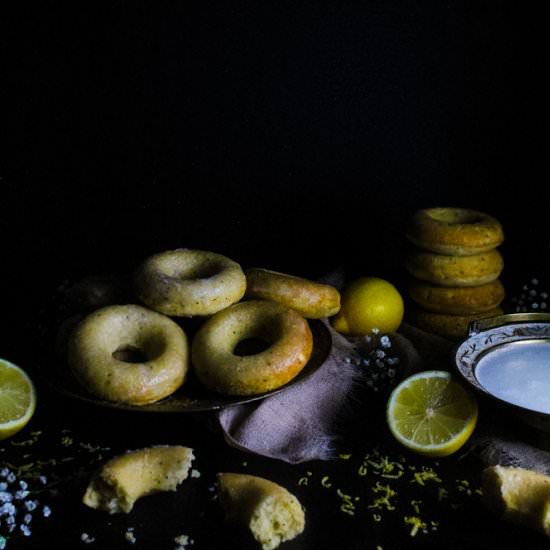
(372, 494)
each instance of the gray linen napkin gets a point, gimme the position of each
(300, 423)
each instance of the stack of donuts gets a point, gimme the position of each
(454, 268)
(135, 350)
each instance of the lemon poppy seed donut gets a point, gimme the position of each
(456, 300)
(271, 512)
(452, 327)
(444, 270)
(127, 477)
(221, 369)
(185, 282)
(310, 299)
(128, 354)
(454, 231)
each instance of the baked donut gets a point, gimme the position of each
(452, 327)
(456, 300)
(215, 353)
(128, 354)
(271, 512)
(519, 495)
(121, 481)
(454, 231)
(310, 299)
(439, 269)
(186, 282)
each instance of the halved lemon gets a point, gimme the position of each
(431, 413)
(17, 399)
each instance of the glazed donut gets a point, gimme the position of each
(271, 512)
(452, 327)
(443, 270)
(221, 369)
(454, 231)
(310, 299)
(121, 481)
(128, 354)
(456, 300)
(186, 282)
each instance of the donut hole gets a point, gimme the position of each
(199, 271)
(251, 346)
(455, 215)
(130, 354)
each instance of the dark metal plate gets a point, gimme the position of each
(192, 396)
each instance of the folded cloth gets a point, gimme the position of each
(300, 423)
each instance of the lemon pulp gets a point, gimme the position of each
(431, 413)
(17, 399)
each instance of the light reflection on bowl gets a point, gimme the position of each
(508, 359)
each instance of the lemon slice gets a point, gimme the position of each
(431, 413)
(17, 399)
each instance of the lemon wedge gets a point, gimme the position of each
(17, 399)
(431, 413)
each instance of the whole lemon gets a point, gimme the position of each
(369, 303)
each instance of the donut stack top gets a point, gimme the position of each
(454, 268)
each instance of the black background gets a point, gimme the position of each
(292, 135)
(297, 135)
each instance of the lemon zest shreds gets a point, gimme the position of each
(382, 501)
(416, 506)
(347, 506)
(326, 483)
(416, 523)
(426, 474)
(381, 465)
